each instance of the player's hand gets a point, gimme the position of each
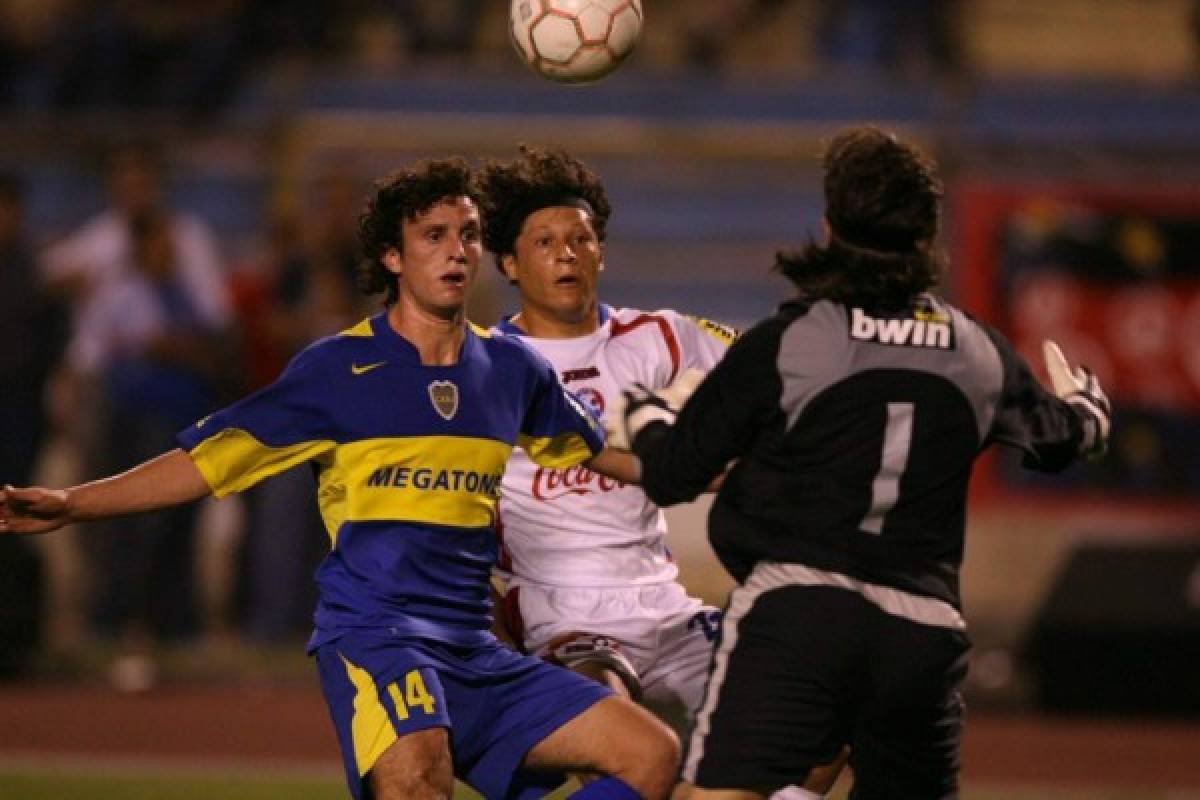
(1080, 389)
(638, 406)
(33, 510)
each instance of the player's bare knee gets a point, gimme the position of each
(663, 766)
(403, 772)
(431, 782)
(650, 760)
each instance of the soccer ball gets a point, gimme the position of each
(574, 41)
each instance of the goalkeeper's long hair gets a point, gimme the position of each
(882, 206)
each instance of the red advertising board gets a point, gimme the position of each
(1113, 275)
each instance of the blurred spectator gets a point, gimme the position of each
(300, 289)
(90, 260)
(32, 331)
(97, 255)
(284, 538)
(157, 355)
(267, 293)
(136, 275)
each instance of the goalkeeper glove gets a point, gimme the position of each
(637, 407)
(1080, 389)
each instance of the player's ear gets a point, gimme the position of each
(603, 253)
(392, 261)
(508, 263)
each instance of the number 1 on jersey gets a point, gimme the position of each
(885, 490)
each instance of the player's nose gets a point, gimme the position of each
(566, 252)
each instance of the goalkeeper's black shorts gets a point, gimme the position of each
(809, 662)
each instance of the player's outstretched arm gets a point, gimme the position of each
(620, 465)
(626, 467)
(169, 479)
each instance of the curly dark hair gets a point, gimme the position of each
(512, 190)
(882, 203)
(400, 197)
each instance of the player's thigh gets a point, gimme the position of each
(612, 737)
(909, 729)
(775, 704)
(417, 766)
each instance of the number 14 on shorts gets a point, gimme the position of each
(412, 694)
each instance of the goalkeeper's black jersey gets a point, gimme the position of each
(854, 436)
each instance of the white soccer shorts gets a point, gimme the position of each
(656, 637)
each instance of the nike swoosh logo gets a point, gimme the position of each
(357, 370)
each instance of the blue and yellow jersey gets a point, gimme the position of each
(408, 461)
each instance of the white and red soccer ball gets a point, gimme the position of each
(574, 41)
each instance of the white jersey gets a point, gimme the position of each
(572, 527)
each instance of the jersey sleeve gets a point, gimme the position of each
(1048, 430)
(272, 430)
(702, 342)
(558, 431)
(718, 423)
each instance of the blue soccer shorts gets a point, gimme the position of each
(496, 704)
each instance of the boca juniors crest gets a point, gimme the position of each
(444, 396)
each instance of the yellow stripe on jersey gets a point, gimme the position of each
(564, 450)
(233, 460)
(443, 480)
(370, 728)
(481, 332)
(361, 329)
(331, 503)
(722, 333)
